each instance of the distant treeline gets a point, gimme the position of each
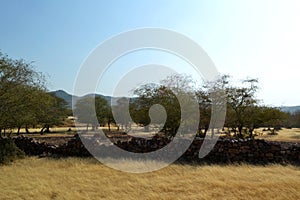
(244, 112)
(25, 102)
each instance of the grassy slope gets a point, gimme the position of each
(75, 178)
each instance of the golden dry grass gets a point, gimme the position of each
(288, 135)
(74, 178)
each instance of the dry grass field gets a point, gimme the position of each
(74, 178)
(288, 135)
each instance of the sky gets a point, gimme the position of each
(250, 38)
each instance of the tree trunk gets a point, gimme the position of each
(240, 129)
(251, 132)
(205, 130)
(26, 129)
(108, 124)
(42, 130)
(18, 132)
(273, 131)
(9, 134)
(47, 129)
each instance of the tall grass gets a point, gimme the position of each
(74, 178)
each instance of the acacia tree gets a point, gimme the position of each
(254, 118)
(140, 107)
(293, 120)
(18, 83)
(109, 117)
(212, 98)
(241, 102)
(121, 115)
(103, 111)
(87, 106)
(52, 111)
(205, 111)
(165, 94)
(273, 118)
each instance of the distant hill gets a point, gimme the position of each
(290, 109)
(65, 96)
(107, 98)
(68, 97)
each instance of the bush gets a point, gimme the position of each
(9, 151)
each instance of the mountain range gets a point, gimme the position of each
(290, 109)
(68, 98)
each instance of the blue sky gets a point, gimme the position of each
(259, 39)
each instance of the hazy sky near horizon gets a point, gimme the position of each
(249, 38)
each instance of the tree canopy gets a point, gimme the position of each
(24, 100)
(87, 106)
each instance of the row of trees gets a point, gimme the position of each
(24, 101)
(244, 111)
(87, 105)
(293, 120)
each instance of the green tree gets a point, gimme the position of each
(121, 114)
(212, 98)
(103, 111)
(253, 118)
(165, 94)
(241, 102)
(18, 83)
(51, 111)
(273, 118)
(293, 120)
(87, 106)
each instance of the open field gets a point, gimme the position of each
(74, 178)
(288, 135)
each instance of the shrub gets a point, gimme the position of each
(9, 151)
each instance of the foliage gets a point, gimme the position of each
(166, 95)
(24, 101)
(209, 95)
(241, 105)
(150, 95)
(273, 117)
(17, 80)
(51, 111)
(243, 113)
(9, 151)
(293, 120)
(120, 113)
(23, 97)
(86, 107)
